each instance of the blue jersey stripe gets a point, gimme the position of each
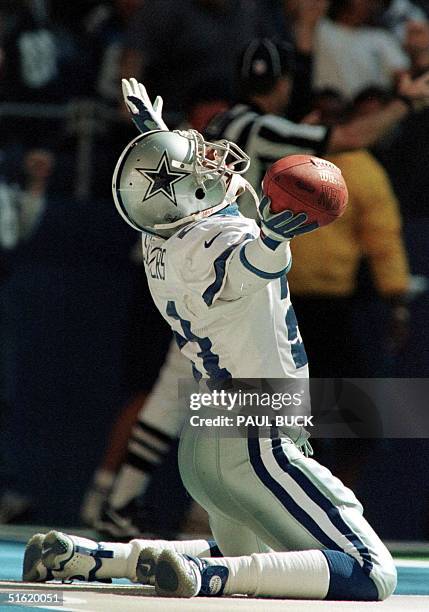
(220, 269)
(297, 348)
(261, 273)
(209, 358)
(321, 500)
(284, 288)
(180, 340)
(299, 355)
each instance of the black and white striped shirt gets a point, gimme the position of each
(265, 138)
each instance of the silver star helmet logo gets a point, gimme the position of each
(162, 179)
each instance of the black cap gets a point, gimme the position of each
(263, 62)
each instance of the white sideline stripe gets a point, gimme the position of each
(314, 511)
(411, 563)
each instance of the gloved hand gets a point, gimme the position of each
(147, 117)
(278, 227)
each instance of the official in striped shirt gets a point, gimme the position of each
(257, 123)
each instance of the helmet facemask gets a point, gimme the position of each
(214, 160)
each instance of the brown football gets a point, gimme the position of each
(304, 183)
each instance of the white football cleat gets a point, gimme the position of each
(178, 575)
(57, 556)
(33, 569)
(73, 557)
(146, 565)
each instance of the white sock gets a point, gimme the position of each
(129, 483)
(124, 561)
(299, 575)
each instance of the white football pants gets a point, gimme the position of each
(262, 494)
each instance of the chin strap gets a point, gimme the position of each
(191, 218)
(236, 187)
(243, 186)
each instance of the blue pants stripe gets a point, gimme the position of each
(284, 498)
(323, 502)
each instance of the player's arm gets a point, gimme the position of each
(259, 261)
(362, 132)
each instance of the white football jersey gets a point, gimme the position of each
(254, 336)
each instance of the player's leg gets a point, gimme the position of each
(300, 575)
(234, 536)
(176, 574)
(158, 425)
(293, 504)
(59, 556)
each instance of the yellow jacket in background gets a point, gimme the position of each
(326, 261)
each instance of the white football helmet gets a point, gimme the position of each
(164, 180)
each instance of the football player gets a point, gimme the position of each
(286, 527)
(258, 122)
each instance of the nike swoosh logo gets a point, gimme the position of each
(208, 243)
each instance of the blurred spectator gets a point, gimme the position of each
(324, 276)
(105, 27)
(304, 16)
(350, 54)
(41, 63)
(202, 110)
(295, 22)
(64, 314)
(73, 14)
(179, 47)
(326, 285)
(403, 153)
(370, 100)
(407, 161)
(327, 106)
(396, 14)
(416, 43)
(22, 206)
(103, 31)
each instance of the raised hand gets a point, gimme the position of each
(416, 91)
(147, 117)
